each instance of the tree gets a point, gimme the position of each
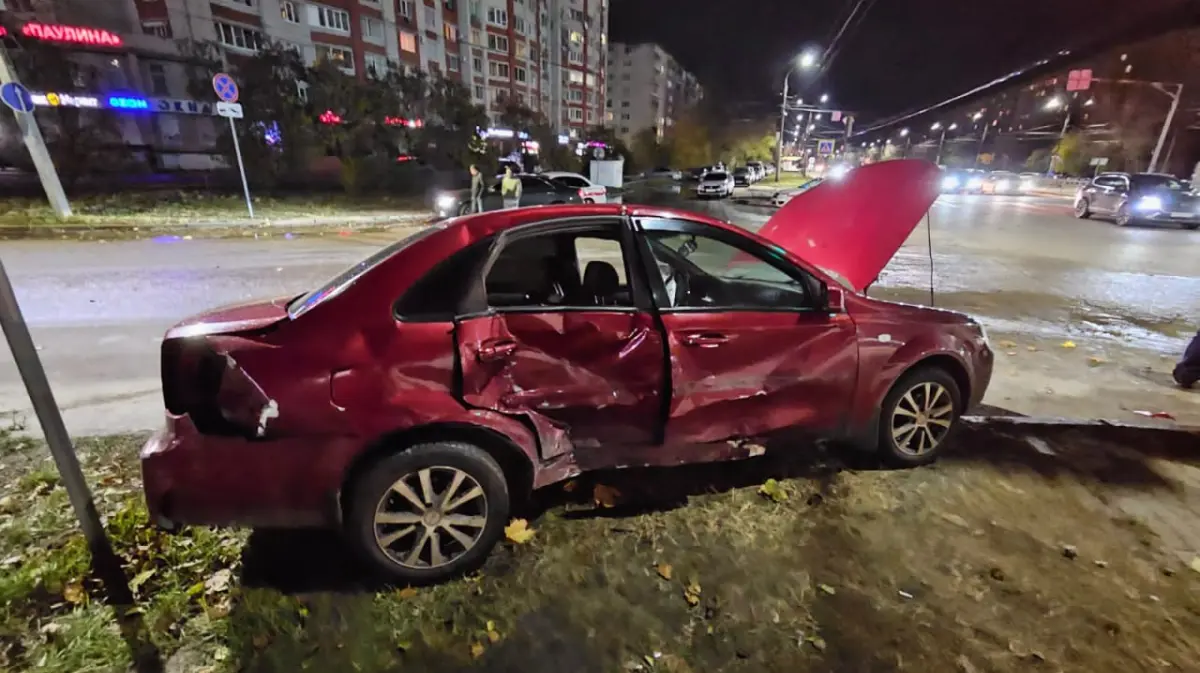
(1070, 154)
(1038, 160)
(647, 151)
(80, 141)
(451, 123)
(689, 143)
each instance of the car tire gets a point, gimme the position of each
(1192, 226)
(464, 209)
(455, 469)
(919, 395)
(1083, 209)
(1123, 218)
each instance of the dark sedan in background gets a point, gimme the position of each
(1133, 198)
(535, 191)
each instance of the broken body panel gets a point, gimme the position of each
(269, 417)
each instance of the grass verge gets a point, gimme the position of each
(155, 212)
(999, 559)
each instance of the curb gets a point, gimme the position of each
(1061, 422)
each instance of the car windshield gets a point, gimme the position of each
(716, 176)
(1159, 182)
(305, 302)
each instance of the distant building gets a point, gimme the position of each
(647, 89)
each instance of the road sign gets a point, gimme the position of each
(1099, 161)
(16, 97)
(231, 110)
(825, 147)
(835, 116)
(1079, 80)
(226, 88)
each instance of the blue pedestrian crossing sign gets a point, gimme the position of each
(825, 147)
(226, 88)
(16, 97)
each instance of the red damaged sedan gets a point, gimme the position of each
(413, 398)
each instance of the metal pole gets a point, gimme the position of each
(37, 147)
(979, 149)
(1066, 124)
(782, 126)
(237, 148)
(941, 141)
(1162, 137)
(34, 375)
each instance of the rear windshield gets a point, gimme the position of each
(305, 302)
(716, 176)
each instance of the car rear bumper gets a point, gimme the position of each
(192, 478)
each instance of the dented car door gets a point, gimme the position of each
(552, 333)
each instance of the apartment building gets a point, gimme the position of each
(647, 89)
(548, 54)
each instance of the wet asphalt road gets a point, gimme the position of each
(97, 310)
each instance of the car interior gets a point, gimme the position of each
(559, 270)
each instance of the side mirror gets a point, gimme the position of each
(835, 300)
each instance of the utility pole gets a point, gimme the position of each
(979, 150)
(1166, 129)
(36, 146)
(782, 126)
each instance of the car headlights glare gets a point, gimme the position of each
(1002, 186)
(949, 182)
(1149, 203)
(974, 182)
(445, 201)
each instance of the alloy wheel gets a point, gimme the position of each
(431, 517)
(922, 418)
(1123, 216)
(1081, 208)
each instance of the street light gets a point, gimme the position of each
(977, 116)
(903, 132)
(942, 140)
(1054, 103)
(824, 98)
(805, 61)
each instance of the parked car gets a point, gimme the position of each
(589, 192)
(715, 183)
(743, 176)
(1027, 182)
(783, 196)
(757, 170)
(664, 172)
(1133, 198)
(535, 191)
(415, 397)
(1000, 182)
(696, 173)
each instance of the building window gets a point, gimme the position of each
(576, 37)
(288, 10)
(405, 9)
(574, 77)
(575, 114)
(519, 74)
(247, 3)
(339, 56)
(238, 37)
(575, 96)
(431, 20)
(479, 91)
(497, 69)
(522, 50)
(156, 28)
(451, 32)
(376, 64)
(575, 56)
(497, 43)
(477, 64)
(497, 17)
(371, 3)
(158, 80)
(373, 29)
(519, 25)
(328, 18)
(590, 80)
(408, 42)
(453, 63)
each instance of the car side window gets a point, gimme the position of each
(531, 184)
(575, 268)
(706, 270)
(435, 297)
(571, 182)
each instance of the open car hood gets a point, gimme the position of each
(852, 227)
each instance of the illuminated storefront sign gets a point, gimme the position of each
(180, 106)
(51, 99)
(401, 121)
(123, 103)
(128, 103)
(53, 32)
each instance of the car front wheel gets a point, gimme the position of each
(1082, 209)
(430, 512)
(1124, 216)
(917, 416)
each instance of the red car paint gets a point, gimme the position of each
(270, 416)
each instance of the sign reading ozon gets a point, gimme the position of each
(53, 32)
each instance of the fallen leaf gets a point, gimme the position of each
(1068, 344)
(1007, 345)
(1031, 349)
(825, 588)
(570, 486)
(518, 531)
(818, 642)
(1011, 353)
(407, 593)
(605, 496)
(477, 650)
(691, 593)
(492, 634)
(664, 570)
(73, 592)
(1094, 361)
(1195, 564)
(219, 581)
(140, 579)
(774, 490)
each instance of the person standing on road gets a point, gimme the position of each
(1187, 372)
(477, 188)
(510, 189)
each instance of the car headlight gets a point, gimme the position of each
(1149, 203)
(949, 182)
(445, 201)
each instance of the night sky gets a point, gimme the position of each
(904, 53)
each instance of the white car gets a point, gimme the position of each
(783, 196)
(663, 172)
(589, 192)
(715, 183)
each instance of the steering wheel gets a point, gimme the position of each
(683, 288)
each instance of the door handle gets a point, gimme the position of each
(491, 351)
(705, 340)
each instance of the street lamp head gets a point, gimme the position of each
(824, 98)
(1054, 103)
(953, 126)
(808, 59)
(1090, 101)
(903, 132)
(936, 126)
(977, 116)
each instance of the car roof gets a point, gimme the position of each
(562, 174)
(485, 224)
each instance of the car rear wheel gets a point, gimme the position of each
(1083, 209)
(1124, 216)
(917, 416)
(430, 512)
(1192, 226)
